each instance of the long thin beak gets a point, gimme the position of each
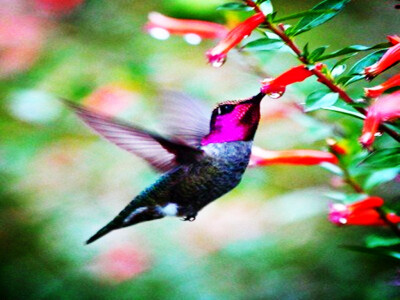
(256, 99)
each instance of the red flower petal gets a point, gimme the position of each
(391, 57)
(261, 157)
(358, 213)
(393, 39)
(384, 109)
(278, 85)
(217, 55)
(204, 29)
(367, 203)
(336, 147)
(111, 99)
(376, 91)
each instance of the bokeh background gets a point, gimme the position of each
(59, 183)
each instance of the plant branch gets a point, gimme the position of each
(250, 3)
(280, 31)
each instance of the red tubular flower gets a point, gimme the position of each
(384, 109)
(393, 218)
(160, 26)
(376, 91)
(217, 55)
(277, 86)
(393, 39)
(336, 147)
(261, 157)
(21, 40)
(362, 213)
(391, 57)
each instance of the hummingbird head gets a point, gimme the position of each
(233, 121)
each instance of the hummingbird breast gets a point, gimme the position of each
(191, 187)
(218, 173)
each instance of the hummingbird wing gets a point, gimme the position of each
(184, 118)
(161, 153)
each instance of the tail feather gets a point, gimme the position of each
(130, 215)
(103, 231)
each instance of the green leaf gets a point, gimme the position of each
(356, 72)
(338, 70)
(374, 241)
(343, 60)
(303, 14)
(344, 111)
(319, 99)
(266, 7)
(353, 49)
(332, 168)
(381, 176)
(309, 22)
(368, 60)
(316, 54)
(271, 17)
(264, 44)
(234, 6)
(306, 52)
(346, 198)
(374, 251)
(383, 158)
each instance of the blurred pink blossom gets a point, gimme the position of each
(21, 39)
(121, 263)
(57, 6)
(110, 99)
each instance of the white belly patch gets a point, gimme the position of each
(171, 209)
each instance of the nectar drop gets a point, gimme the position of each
(218, 62)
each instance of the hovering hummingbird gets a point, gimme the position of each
(201, 161)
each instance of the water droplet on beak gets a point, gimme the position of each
(275, 95)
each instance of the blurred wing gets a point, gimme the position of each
(185, 118)
(160, 153)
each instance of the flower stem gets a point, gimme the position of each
(279, 30)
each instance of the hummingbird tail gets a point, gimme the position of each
(103, 231)
(132, 214)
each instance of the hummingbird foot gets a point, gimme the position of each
(190, 218)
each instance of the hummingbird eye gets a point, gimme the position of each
(225, 109)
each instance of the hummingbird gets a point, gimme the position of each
(201, 161)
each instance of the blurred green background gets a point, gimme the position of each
(268, 239)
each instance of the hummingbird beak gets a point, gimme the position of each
(258, 97)
(255, 99)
